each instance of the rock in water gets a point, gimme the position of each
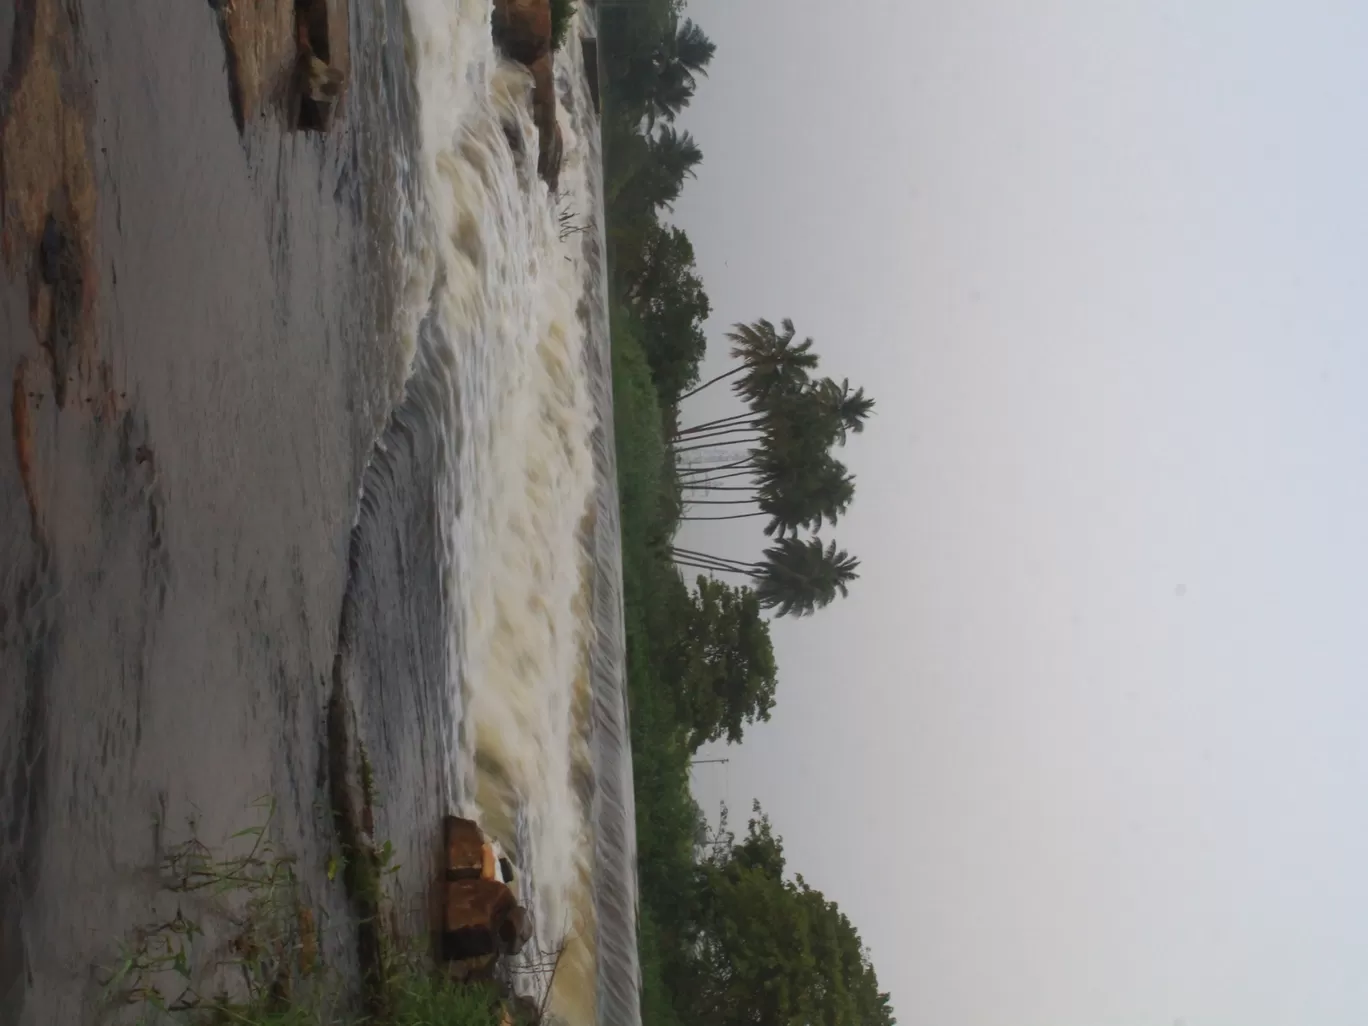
(551, 155)
(551, 146)
(522, 28)
(324, 83)
(465, 847)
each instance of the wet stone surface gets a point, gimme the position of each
(195, 338)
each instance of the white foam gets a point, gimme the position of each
(504, 288)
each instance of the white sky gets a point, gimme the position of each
(1105, 267)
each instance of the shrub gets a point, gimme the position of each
(561, 13)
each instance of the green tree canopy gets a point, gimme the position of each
(847, 410)
(802, 490)
(774, 951)
(673, 155)
(724, 670)
(669, 299)
(797, 577)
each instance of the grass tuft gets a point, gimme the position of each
(239, 921)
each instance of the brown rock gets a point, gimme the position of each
(465, 849)
(522, 28)
(258, 38)
(475, 918)
(551, 155)
(543, 88)
(32, 380)
(48, 183)
(478, 903)
(551, 142)
(23, 443)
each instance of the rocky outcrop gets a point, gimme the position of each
(48, 232)
(551, 146)
(293, 52)
(321, 63)
(481, 918)
(551, 155)
(522, 29)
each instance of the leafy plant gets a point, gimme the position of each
(562, 12)
(252, 897)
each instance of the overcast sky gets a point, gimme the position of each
(1086, 746)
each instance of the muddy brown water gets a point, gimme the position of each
(176, 548)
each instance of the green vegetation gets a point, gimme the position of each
(561, 13)
(726, 934)
(242, 947)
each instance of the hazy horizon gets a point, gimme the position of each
(1084, 747)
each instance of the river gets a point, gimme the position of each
(508, 288)
(350, 417)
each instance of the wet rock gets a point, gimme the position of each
(50, 251)
(589, 49)
(32, 378)
(551, 142)
(514, 136)
(49, 197)
(522, 28)
(465, 848)
(323, 83)
(22, 426)
(258, 42)
(290, 53)
(551, 155)
(318, 87)
(543, 89)
(320, 67)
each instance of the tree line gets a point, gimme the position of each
(728, 935)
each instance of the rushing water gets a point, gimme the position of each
(506, 308)
(171, 645)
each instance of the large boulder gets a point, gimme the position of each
(551, 144)
(522, 28)
(551, 155)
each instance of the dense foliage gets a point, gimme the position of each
(562, 11)
(727, 935)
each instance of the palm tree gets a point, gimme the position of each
(684, 54)
(795, 578)
(673, 157)
(801, 577)
(767, 358)
(719, 424)
(774, 364)
(849, 409)
(692, 48)
(795, 478)
(672, 89)
(803, 492)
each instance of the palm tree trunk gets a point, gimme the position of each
(719, 423)
(722, 568)
(718, 445)
(712, 564)
(710, 483)
(716, 432)
(712, 468)
(695, 554)
(715, 569)
(708, 425)
(734, 516)
(713, 381)
(729, 475)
